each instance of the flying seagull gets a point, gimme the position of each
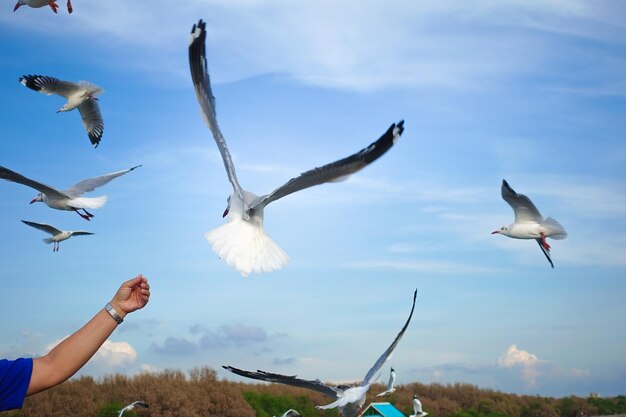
(42, 3)
(349, 400)
(242, 242)
(81, 95)
(291, 413)
(417, 408)
(529, 223)
(57, 235)
(131, 406)
(390, 385)
(69, 199)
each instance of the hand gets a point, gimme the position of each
(132, 295)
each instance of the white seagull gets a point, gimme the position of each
(390, 385)
(57, 235)
(291, 413)
(417, 408)
(242, 242)
(81, 95)
(69, 199)
(349, 400)
(131, 406)
(42, 3)
(529, 223)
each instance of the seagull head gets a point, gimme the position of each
(503, 231)
(37, 199)
(63, 108)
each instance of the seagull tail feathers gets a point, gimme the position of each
(47, 240)
(245, 246)
(556, 230)
(89, 203)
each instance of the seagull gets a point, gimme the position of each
(81, 95)
(417, 408)
(529, 223)
(131, 406)
(69, 199)
(349, 400)
(390, 385)
(57, 235)
(42, 3)
(291, 413)
(242, 242)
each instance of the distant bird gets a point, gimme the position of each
(69, 199)
(529, 223)
(41, 3)
(349, 400)
(57, 235)
(417, 408)
(133, 405)
(291, 413)
(242, 242)
(390, 385)
(81, 95)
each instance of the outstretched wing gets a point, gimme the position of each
(387, 354)
(202, 85)
(49, 85)
(524, 209)
(315, 385)
(7, 174)
(92, 120)
(338, 169)
(545, 252)
(91, 184)
(43, 227)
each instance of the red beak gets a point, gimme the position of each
(34, 200)
(493, 233)
(225, 212)
(17, 6)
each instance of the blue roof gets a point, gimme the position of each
(384, 410)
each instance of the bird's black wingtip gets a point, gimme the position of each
(30, 81)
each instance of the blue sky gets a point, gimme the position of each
(533, 92)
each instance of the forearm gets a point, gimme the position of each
(65, 359)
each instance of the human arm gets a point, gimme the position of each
(66, 358)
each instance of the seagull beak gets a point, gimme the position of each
(34, 200)
(225, 212)
(17, 6)
(494, 232)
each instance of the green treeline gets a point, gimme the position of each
(199, 393)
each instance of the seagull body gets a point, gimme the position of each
(417, 408)
(390, 385)
(529, 223)
(37, 3)
(69, 199)
(57, 235)
(242, 242)
(81, 95)
(349, 400)
(291, 413)
(133, 405)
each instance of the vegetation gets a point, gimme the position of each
(199, 393)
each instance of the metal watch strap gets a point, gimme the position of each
(113, 313)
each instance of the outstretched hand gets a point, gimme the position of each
(132, 295)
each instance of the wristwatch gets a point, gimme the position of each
(114, 313)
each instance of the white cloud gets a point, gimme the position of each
(528, 363)
(110, 356)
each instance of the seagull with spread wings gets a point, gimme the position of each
(81, 95)
(242, 242)
(57, 235)
(70, 199)
(129, 407)
(390, 385)
(348, 400)
(529, 223)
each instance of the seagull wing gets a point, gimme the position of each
(92, 120)
(202, 85)
(336, 170)
(291, 413)
(49, 85)
(524, 209)
(545, 252)
(12, 176)
(91, 184)
(80, 233)
(383, 358)
(315, 385)
(43, 227)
